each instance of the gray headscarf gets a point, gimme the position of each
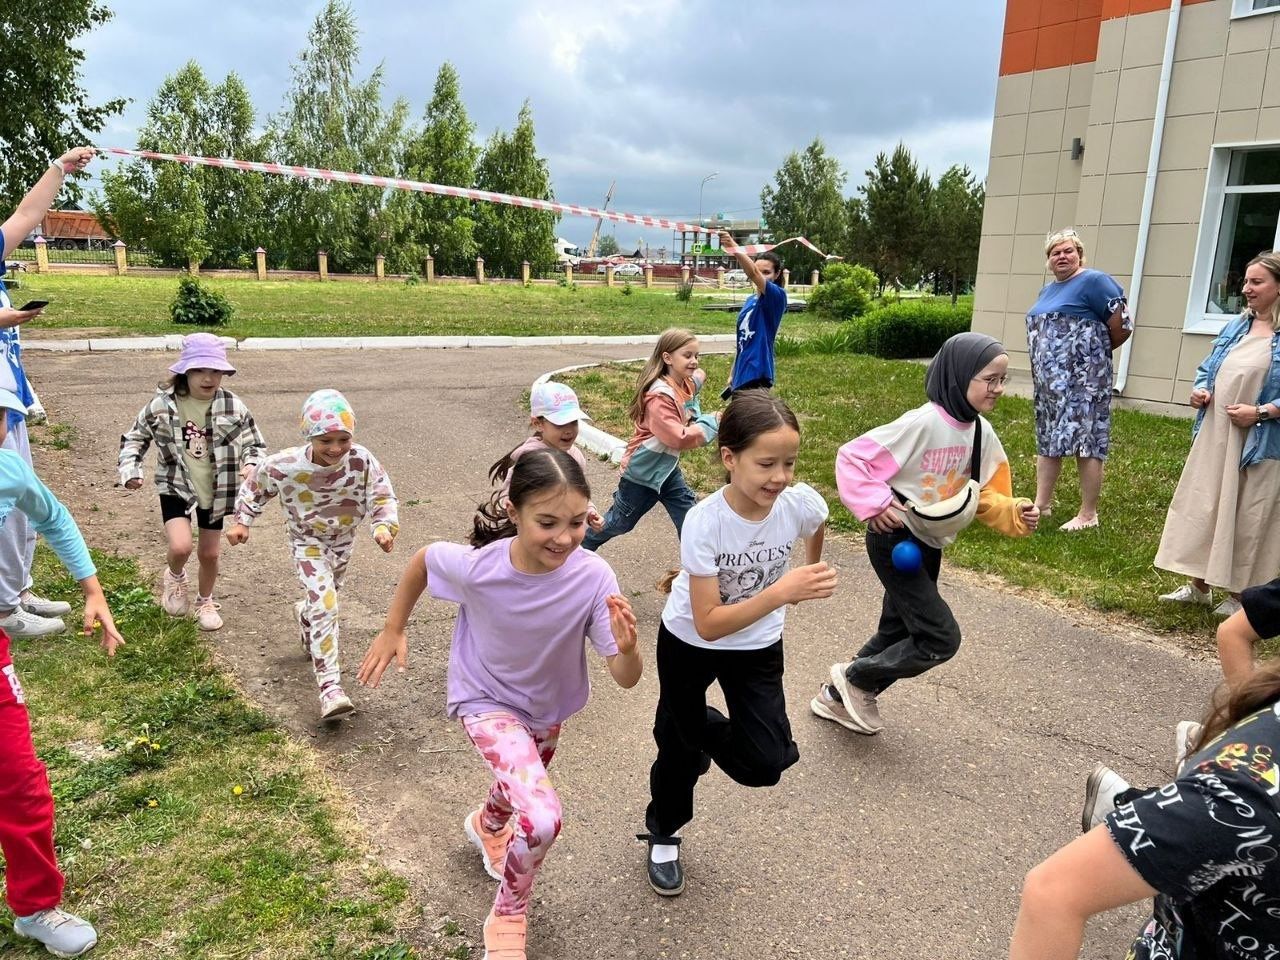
(960, 360)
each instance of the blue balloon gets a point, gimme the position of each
(906, 556)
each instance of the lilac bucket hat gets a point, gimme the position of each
(202, 351)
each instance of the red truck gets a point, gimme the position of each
(72, 230)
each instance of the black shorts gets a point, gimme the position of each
(1262, 608)
(175, 508)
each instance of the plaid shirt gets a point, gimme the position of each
(236, 443)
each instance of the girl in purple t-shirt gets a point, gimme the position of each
(527, 598)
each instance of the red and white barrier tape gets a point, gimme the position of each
(464, 193)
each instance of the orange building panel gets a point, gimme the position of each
(1042, 34)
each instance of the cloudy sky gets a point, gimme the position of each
(654, 95)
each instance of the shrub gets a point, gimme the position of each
(626, 288)
(846, 292)
(199, 306)
(910, 328)
(684, 292)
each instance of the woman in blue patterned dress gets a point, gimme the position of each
(1070, 335)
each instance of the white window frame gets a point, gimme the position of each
(1244, 8)
(1198, 319)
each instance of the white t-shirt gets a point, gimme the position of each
(747, 556)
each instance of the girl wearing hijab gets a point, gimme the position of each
(923, 478)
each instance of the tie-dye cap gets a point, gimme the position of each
(327, 411)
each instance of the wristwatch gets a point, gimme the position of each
(1263, 413)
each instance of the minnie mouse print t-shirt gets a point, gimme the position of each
(197, 438)
(1209, 843)
(745, 556)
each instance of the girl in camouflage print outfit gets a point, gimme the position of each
(326, 486)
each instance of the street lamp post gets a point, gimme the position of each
(701, 186)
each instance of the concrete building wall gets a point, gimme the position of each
(1224, 89)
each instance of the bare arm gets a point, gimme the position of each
(1087, 876)
(1236, 638)
(745, 262)
(31, 209)
(391, 642)
(625, 665)
(813, 545)
(714, 620)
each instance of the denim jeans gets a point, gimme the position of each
(632, 501)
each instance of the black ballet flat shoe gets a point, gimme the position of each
(667, 879)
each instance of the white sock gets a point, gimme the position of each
(664, 852)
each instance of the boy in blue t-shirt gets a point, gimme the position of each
(758, 320)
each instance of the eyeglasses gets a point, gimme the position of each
(993, 383)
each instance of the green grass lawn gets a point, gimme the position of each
(187, 825)
(123, 306)
(838, 397)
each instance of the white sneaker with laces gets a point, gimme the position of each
(1227, 608)
(207, 616)
(1100, 792)
(174, 597)
(24, 623)
(42, 607)
(1189, 593)
(63, 934)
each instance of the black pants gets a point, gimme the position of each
(752, 745)
(917, 630)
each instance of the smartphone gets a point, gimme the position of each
(34, 305)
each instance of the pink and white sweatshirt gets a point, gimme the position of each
(924, 456)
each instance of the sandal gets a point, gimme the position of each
(1075, 525)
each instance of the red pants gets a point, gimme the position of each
(32, 879)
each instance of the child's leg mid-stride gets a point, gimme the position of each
(208, 551)
(33, 883)
(521, 795)
(917, 631)
(321, 569)
(631, 501)
(176, 598)
(521, 803)
(753, 745)
(676, 496)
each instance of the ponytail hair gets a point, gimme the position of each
(1233, 704)
(535, 474)
(669, 341)
(498, 472)
(749, 414)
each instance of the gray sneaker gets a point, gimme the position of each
(1100, 792)
(859, 705)
(24, 623)
(827, 706)
(1184, 739)
(63, 934)
(42, 607)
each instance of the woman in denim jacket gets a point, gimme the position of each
(1221, 527)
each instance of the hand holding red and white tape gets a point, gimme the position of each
(464, 193)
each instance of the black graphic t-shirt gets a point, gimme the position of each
(1209, 842)
(1262, 608)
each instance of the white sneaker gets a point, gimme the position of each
(42, 607)
(1189, 593)
(1100, 792)
(63, 934)
(1184, 738)
(207, 616)
(1228, 607)
(334, 703)
(24, 623)
(174, 597)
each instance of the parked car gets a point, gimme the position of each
(735, 278)
(628, 270)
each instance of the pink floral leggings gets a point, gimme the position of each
(518, 758)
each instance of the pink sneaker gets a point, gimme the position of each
(492, 846)
(173, 596)
(207, 616)
(504, 937)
